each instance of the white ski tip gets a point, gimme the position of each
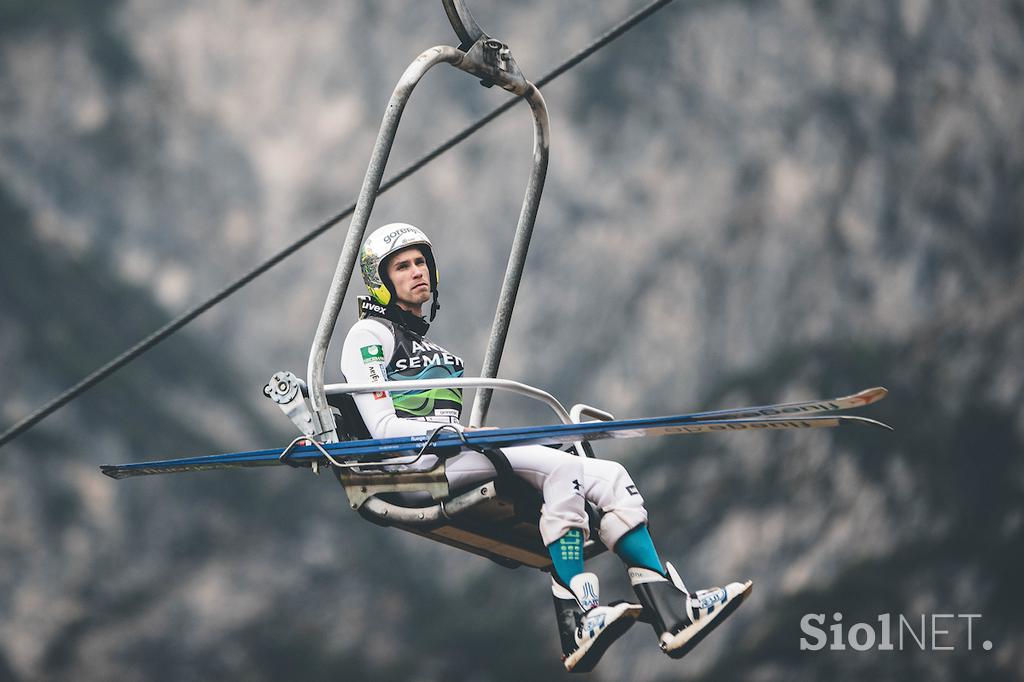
(868, 396)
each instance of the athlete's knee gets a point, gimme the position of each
(621, 476)
(622, 506)
(608, 482)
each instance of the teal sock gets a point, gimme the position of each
(567, 555)
(636, 548)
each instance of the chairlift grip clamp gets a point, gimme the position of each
(485, 57)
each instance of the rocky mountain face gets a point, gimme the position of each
(747, 202)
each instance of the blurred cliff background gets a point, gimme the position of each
(748, 201)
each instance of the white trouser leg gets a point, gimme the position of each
(610, 489)
(565, 481)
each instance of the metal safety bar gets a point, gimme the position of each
(460, 382)
(572, 416)
(491, 61)
(581, 410)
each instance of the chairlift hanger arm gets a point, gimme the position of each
(466, 27)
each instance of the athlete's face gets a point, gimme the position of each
(410, 276)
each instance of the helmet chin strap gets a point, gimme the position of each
(434, 306)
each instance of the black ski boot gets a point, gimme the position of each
(681, 619)
(585, 628)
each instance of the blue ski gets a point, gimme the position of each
(450, 443)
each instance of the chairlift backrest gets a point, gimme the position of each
(352, 425)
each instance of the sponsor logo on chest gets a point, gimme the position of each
(426, 354)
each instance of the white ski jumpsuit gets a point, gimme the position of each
(373, 354)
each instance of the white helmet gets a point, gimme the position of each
(385, 241)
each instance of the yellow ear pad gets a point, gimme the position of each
(382, 294)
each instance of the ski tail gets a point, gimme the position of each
(232, 460)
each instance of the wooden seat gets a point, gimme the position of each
(497, 519)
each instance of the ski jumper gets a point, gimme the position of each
(379, 349)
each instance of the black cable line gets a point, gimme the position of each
(174, 325)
